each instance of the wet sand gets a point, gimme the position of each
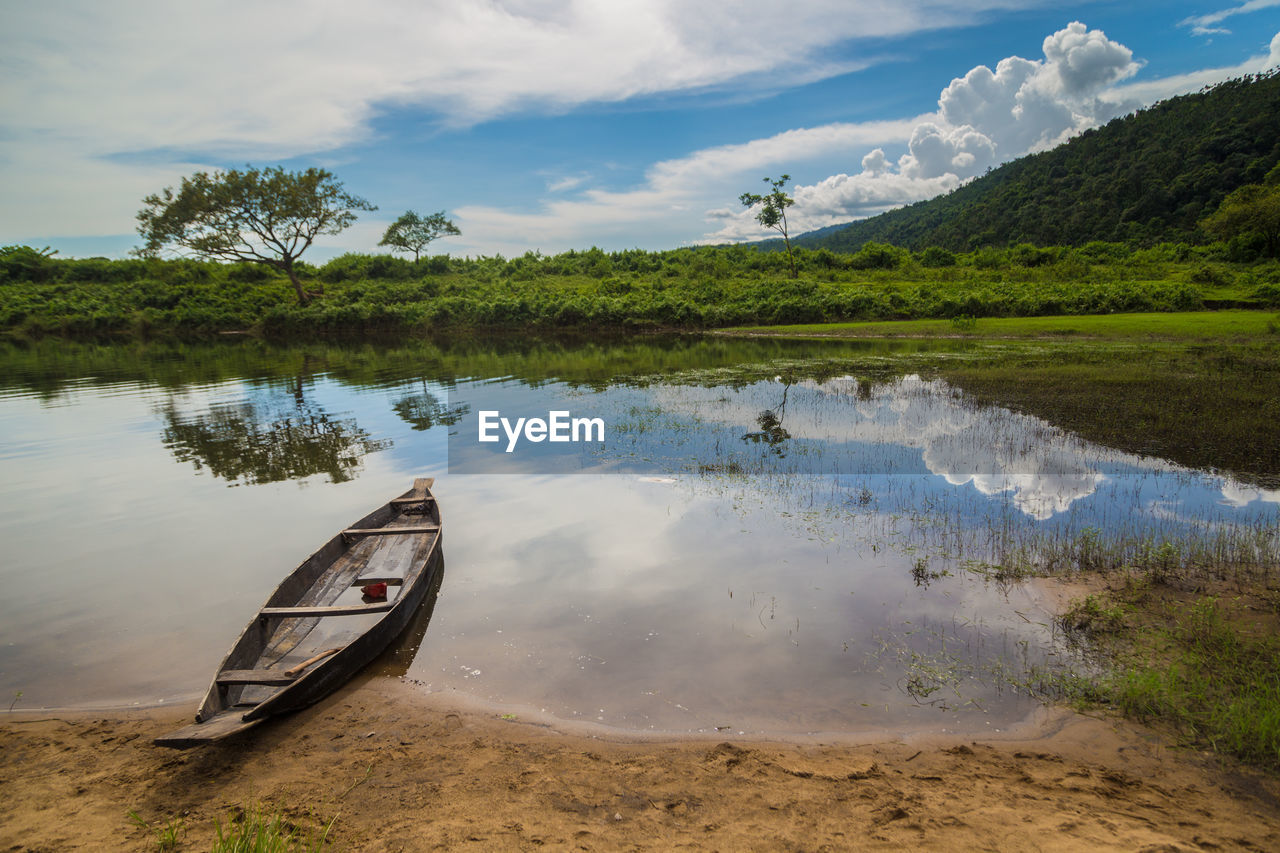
(406, 771)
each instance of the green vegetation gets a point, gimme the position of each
(1206, 665)
(1145, 178)
(412, 233)
(694, 288)
(251, 830)
(1251, 216)
(257, 831)
(263, 216)
(773, 212)
(1179, 326)
(1183, 634)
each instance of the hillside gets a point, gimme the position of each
(1145, 178)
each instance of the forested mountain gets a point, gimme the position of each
(1145, 178)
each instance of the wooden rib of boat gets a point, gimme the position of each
(317, 629)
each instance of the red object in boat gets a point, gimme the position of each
(375, 590)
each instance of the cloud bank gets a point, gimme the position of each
(136, 93)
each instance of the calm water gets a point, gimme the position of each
(750, 551)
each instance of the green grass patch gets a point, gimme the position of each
(1207, 666)
(255, 829)
(1237, 325)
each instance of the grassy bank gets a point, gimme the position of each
(695, 288)
(1226, 325)
(1201, 658)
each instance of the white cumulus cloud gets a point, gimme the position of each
(961, 152)
(1028, 105)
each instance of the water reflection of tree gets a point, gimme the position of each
(772, 433)
(280, 437)
(424, 410)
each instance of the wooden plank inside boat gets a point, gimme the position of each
(330, 610)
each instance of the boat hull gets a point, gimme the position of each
(264, 674)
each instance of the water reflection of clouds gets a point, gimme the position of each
(1040, 468)
(1059, 480)
(679, 601)
(1238, 494)
(994, 450)
(641, 603)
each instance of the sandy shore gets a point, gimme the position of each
(404, 771)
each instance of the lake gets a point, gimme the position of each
(774, 537)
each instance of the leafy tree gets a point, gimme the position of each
(267, 216)
(773, 211)
(23, 263)
(936, 256)
(1252, 210)
(411, 232)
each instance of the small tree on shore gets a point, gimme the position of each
(773, 212)
(265, 216)
(411, 232)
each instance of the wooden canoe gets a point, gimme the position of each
(318, 629)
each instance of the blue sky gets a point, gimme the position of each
(556, 124)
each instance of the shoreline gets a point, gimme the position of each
(1042, 720)
(399, 775)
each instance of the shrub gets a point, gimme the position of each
(935, 256)
(876, 256)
